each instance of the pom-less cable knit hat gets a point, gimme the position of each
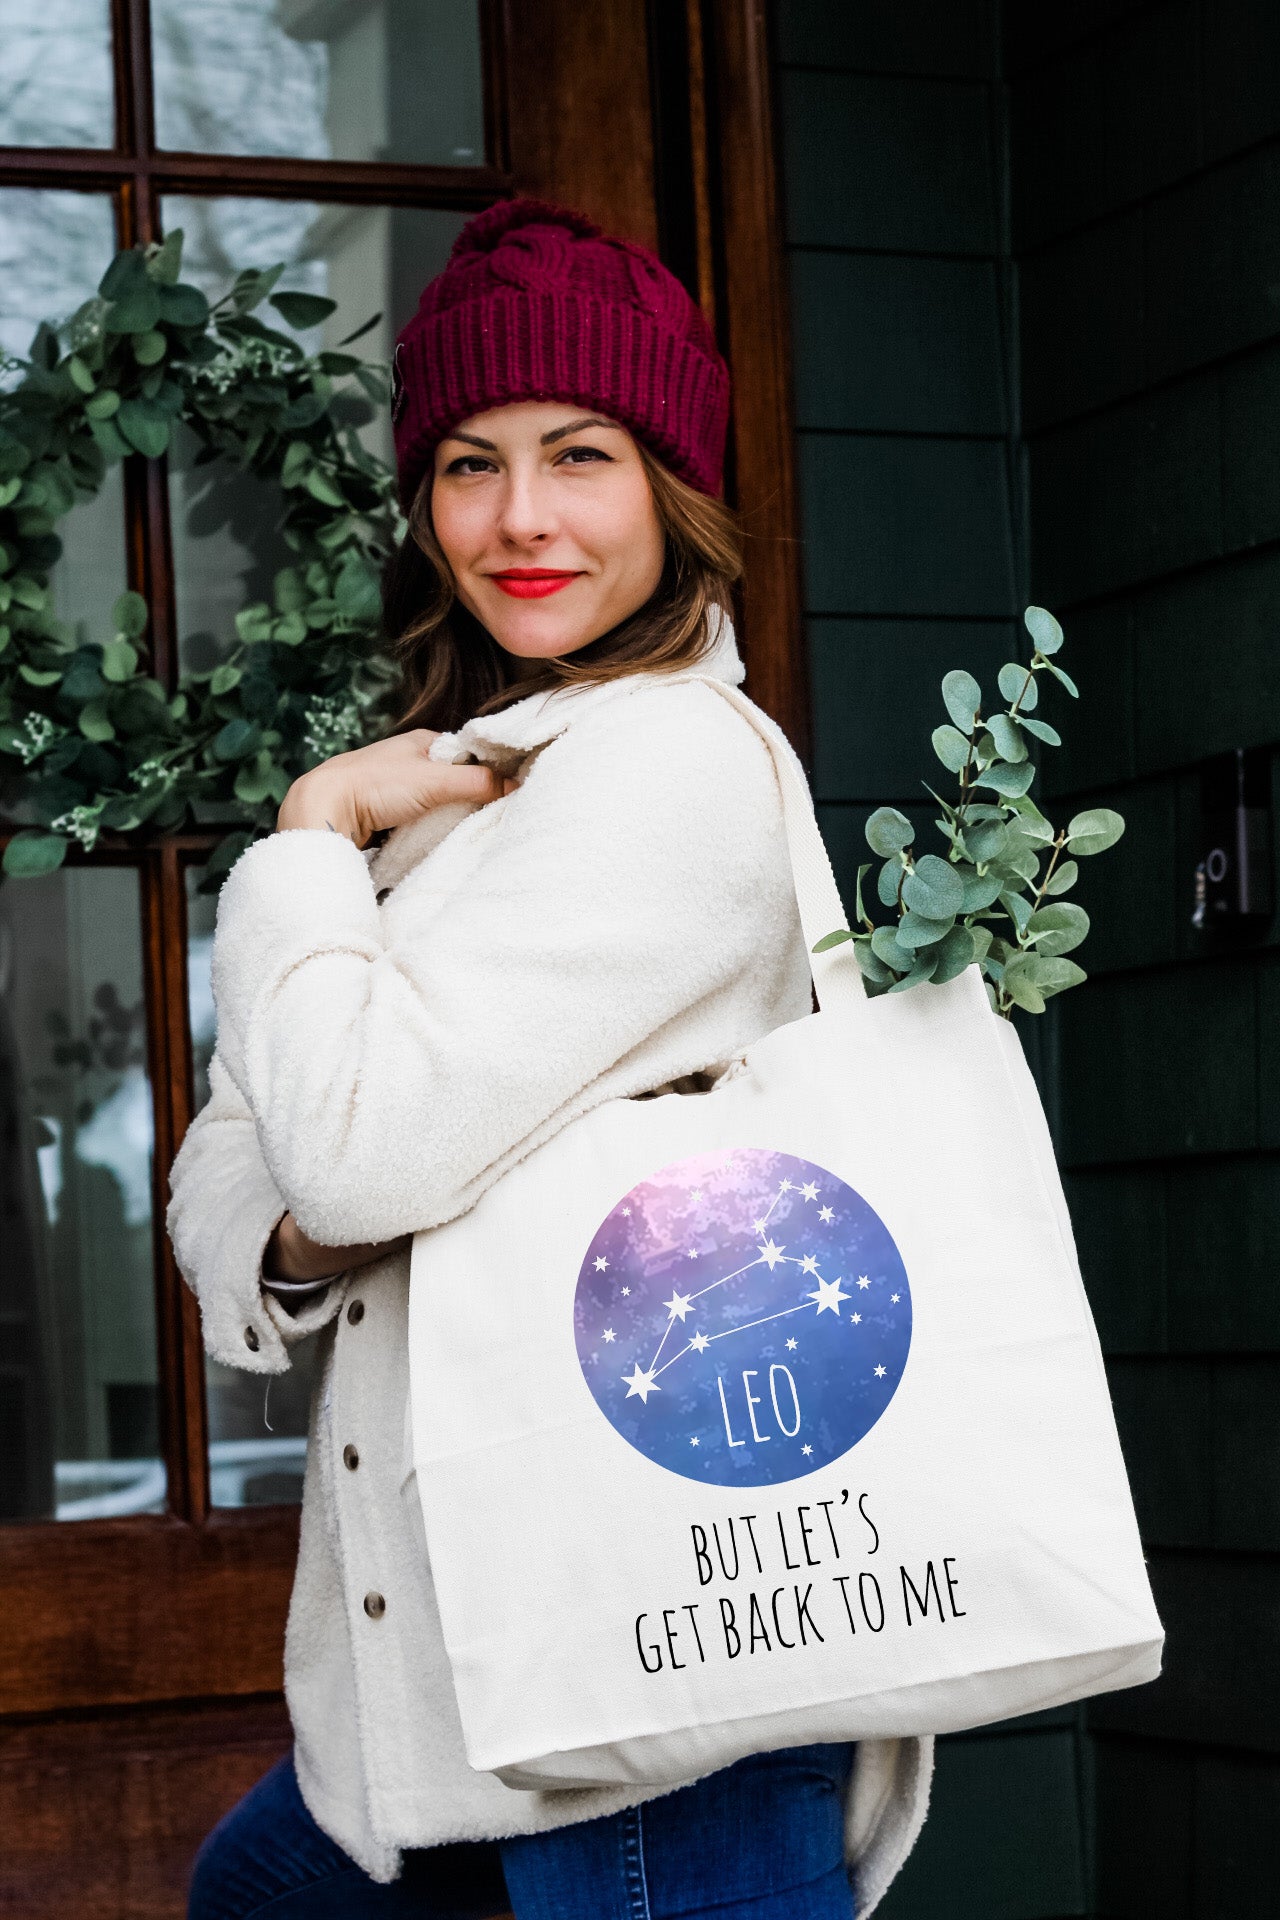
(538, 303)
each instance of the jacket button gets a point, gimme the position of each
(374, 1605)
(355, 1312)
(350, 1458)
(381, 895)
(251, 1339)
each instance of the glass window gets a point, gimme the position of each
(225, 524)
(55, 247)
(55, 73)
(79, 1396)
(396, 80)
(257, 1432)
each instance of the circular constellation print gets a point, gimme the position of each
(742, 1317)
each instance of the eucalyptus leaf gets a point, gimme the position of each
(145, 426)
(1094, 831)
(31, 853)
(1010, 781)
(149, 348)
(981, 937)
(886, 949)
(1018, 909)
(955, 953)
(119, 660)
(951, 747)
(1058, 928)
(962, 697)
(95, 722)
(129, 615)
(1042, 730)
(987, 841)
(982, 891)
(888, 831)
(934, 889)
(924, 969)
(830, 940)
(860, 911)
(915, 931)
(1065, 678)
(1063, 878)
(183, 306)
(1010, 744)
(303, 310)
(1018, 983)
(872, 969)
(1043, 628)
(888, 880)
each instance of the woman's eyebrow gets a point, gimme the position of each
(576, 426)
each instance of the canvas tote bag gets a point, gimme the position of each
(775, 1414)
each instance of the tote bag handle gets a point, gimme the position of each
(836, 975)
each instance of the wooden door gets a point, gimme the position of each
(141, 1629)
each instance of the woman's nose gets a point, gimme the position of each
(525, 515)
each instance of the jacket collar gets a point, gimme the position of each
(504, 739)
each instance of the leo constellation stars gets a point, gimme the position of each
(827, 1297)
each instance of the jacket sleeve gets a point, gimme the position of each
(223, 1205)
(624, 882)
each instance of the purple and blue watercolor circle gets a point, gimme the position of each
(743, 1317)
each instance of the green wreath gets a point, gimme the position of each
(94, 739)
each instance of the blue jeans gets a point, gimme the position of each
(760, 1840)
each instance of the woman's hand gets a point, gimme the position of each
(290, 1255)
(386, 784)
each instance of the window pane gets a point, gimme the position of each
(226, 544)
(79, 1395)
(55, 247)
(55, 73)
(324, 79)
(257, 1432)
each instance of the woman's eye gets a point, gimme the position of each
(469, 463)
(589, 454)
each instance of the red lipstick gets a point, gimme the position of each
(532, 583)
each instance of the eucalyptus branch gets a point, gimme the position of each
(986, 902)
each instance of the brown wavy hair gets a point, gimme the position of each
(452, 668)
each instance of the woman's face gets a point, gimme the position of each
(544, 512)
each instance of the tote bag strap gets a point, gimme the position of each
(836, 975)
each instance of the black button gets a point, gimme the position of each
(251, 1339)
(374, 1605)
(350, 1458)
(381, 894)
(355, 1312)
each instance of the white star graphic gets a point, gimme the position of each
(625, 1292)
(609, 1334)
(894, 1299)
(879, 1373)
(758, 1226)
(809, 1264)
(856, 1319)
(771, 1253)
(863, 1281)
(678, 1305)
(699, 1343)
(641, 1383)
(695, 1442)
(696, 1194)
(826, 1213)
(828, 1295)
(601, 1264)
(784, 1186)
(626, 1213)
(693, 1253)
(791, 1346)
(810, 1192)
(806, 1449)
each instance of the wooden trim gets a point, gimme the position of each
(101, 1613)
(755, 332)
(577, 109)
(362, 182)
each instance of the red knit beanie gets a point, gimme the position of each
(538, 303)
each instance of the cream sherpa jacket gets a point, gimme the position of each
(396, 1027)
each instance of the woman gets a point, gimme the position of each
(584, 895)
